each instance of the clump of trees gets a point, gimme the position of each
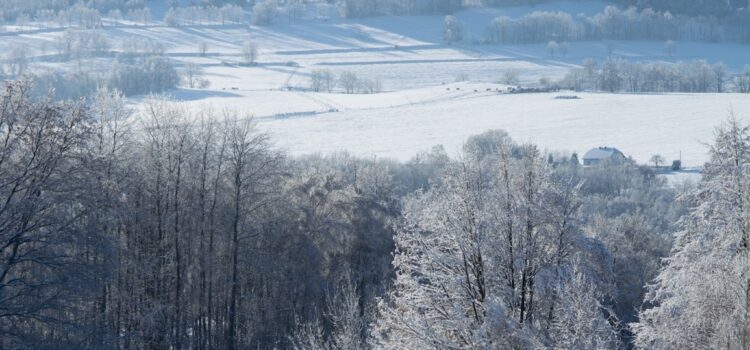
(79, 44)
(139, 67)
(495, 253)
(143, 75)
(132, 75)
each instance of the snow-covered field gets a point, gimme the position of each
(638, 125)
(421, 106)
(398, 125)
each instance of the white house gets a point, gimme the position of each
(603, 154)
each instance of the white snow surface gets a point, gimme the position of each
(417, 69)
(399, 125)
(638, 125)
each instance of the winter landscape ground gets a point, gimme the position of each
(374, 174)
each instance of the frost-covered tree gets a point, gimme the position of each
(170, 18)
(202, 48)
(17, 61)
(511, 76)
(657, 160)
(552, 48)
(192, 73)
(720, 74)
(47, 243)
(349, 82)
(265, 13)
(348, 319)
(580, 321)
(562, 48)
(249, 52)
(369, 86)
(610, 78)
(742, 81)
(322, 80)
(670, 47)
(453, 29)
(701, 297)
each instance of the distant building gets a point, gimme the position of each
(603, 155)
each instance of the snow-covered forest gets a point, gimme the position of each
(374, 174)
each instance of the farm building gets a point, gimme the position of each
(603, 154)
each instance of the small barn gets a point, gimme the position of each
(603, 155)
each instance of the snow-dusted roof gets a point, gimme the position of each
(601, 153)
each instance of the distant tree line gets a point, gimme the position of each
(616, 24)
(693, 7)
(616, 75)
(193, 15)
(366, 8)
(69, 13)
(10, 10)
